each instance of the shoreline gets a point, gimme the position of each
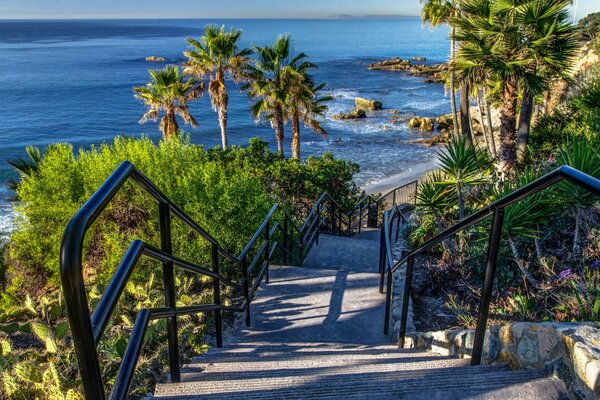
(391, 182)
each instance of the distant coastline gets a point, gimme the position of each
(377, 17)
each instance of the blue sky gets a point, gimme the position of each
(217, 8)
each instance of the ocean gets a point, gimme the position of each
(71, 81)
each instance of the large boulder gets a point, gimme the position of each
(353, 114)
(421, 123)
(444, 122)
(367, 105)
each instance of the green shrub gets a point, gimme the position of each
(227, 193)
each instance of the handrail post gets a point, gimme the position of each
(349, 226)
(246, 288)
(268, 250)
(488, 285)
(388, 300)
(285, 240)
(169, 284)
(405, 299)
(332, 217)
(217, 295)
(381, 259)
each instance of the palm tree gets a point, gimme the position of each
(499, 38)
(25, 167)
(553, 36)
(269, 79)
(438, 12)
(215, 57)
(169, 93)
(304, 103)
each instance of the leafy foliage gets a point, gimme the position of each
(215, 57)
(227, 192)
(168, 92)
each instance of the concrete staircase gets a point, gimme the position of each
(317, 334)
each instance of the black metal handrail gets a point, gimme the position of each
(87, 329)
(564, 173)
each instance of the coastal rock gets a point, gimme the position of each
(443, 137)
(367, 105)
(422, 123)
(419, 58)
(353, 114)
(444, 122)
(155, 59)
(434, 73)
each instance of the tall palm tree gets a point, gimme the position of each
(497, 38)
(305, 104)
(552, 35)
(269, 78)
(438, 12)
(215, 57)
(168, 92)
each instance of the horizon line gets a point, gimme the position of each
(350, 17)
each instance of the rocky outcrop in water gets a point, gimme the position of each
(155, 59)
(433, 73)
(353, 114)
(422, 123)
(367, 105)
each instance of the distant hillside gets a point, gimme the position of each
(391, 16)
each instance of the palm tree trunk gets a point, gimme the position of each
(524, 124)
(521, 263)
(171, 129)
(223, 125)
(453, 84)
(279, 132)
(508, 126)
(482, 122)
(296, 136)
(465, 127)
(488, 111)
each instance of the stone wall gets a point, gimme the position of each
(571, 351)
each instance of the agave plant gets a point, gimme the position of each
(460, 163)
(584, 156)
(433, 198)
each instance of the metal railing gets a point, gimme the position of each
(495, 209)
(87, 330)
(367, 212)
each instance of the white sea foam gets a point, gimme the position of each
(6, 219)
(426, 105)
(346, 94)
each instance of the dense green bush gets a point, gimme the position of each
(228, 193)
(549, 263)
(577, 116)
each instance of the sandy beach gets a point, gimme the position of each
(414, 173)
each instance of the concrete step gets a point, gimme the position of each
(330, 371)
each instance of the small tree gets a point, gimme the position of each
(168, 92)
